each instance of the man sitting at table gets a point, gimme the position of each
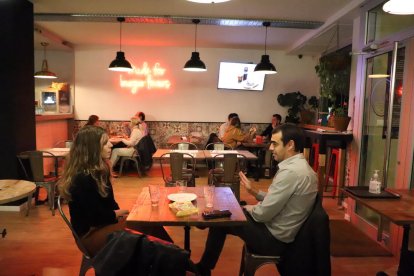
(276, 120)
(276, 219)
(133, 140)
(225, 125)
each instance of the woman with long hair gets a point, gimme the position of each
(234, 136)
(86, 185)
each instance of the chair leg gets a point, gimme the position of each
(86, 264)
(51, 199)
(121, 167)
(138, 168)
(241, 270)
(29, 203)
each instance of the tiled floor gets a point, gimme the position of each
(41, 244)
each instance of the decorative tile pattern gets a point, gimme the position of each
(160, 131)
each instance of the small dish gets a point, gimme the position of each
(182, 197)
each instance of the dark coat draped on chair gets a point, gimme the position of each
(146, 149)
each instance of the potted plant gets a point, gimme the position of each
(340, 117)
(307, 113)
(295, 101)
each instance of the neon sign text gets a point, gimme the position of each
(146, 77)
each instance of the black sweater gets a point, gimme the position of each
(88, 208)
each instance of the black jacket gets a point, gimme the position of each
(146, 149)
(128, 253)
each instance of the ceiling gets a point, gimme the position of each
(168, 23)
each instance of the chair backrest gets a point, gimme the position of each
(311, 247)
(77, 239)
(36, 163)
(184, 146)
(231, 163)
(176, 160)
(218, 146)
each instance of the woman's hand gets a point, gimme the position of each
(121, 213)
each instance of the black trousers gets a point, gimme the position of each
(256, 236)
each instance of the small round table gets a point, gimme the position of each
(12, 190)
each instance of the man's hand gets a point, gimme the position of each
(244, 181)
(248, 208)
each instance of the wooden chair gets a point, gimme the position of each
(178, 168)
(86, 263)
(225, 172)
(35, 159)
(134, 158)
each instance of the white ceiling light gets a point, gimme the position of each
(208, 1)
(400, 7)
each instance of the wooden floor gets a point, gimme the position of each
(41, 244)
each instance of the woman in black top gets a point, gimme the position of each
(86, 185)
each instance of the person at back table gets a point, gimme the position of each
(93, 120)
(276, 219)
(134, 138)
(276, 121)
(234, 136)
(86, 185)
(142, 124)
(224, 126)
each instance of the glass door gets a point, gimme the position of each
(384, 75)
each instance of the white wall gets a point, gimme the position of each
(192, 96)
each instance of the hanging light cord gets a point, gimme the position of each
(266, 24)
(120, 35)
(195, 40)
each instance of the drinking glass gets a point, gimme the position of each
(154, 191)
(182, 185)
(209, 195)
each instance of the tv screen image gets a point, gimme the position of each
(240, 76)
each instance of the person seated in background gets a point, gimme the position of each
(93, 120)
(234, 136)
(86, 185)
(142, 124)
(225, 125)
(276, 121)
(131, 142)
(276, 219)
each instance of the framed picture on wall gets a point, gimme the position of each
(64, 98)
(49, 101)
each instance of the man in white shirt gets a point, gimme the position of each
(275, 220)
(225, 125)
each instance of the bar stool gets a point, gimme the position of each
(333, 164)
(315, 155)
(251, 262)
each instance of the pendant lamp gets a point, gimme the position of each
(265, 67)
(45, 73)
(208, 1)
(195, 64)
(120, 64)
(399, 7)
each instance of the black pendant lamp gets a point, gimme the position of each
(44, 73)
(120, 64)
(265, 66)
(195, 64)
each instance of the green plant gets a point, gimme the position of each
(313, 103)
(295, 101)
(341, 111)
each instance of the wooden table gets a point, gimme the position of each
(325, 139)
(398, 211)
(145, 214)
(12, 190)
(209, 154)
(174, 139)
(57, 153)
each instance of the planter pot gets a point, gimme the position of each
(307, 117)
(341, 123)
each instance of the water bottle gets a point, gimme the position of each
(374, 183)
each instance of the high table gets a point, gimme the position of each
(325, 139)
(197, 154)
(398, 211)
(143, 214)
(12, 190)
(259, 150)
(57, 153)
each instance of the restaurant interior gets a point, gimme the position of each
(187, 65)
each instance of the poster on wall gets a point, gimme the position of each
(63, 90)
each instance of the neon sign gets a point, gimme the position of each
(145, 77)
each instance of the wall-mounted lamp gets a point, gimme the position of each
(399, 7)
(120, 64)
(265, 66)
(44, 73)
(195, 64)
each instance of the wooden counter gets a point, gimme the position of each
(53, 117)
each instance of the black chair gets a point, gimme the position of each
(308, 255)
(86, 263)
(135, 158)
(35, 159)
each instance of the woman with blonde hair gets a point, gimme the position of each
(87, 187)
(234, 136)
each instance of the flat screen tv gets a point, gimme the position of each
(239, 76)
